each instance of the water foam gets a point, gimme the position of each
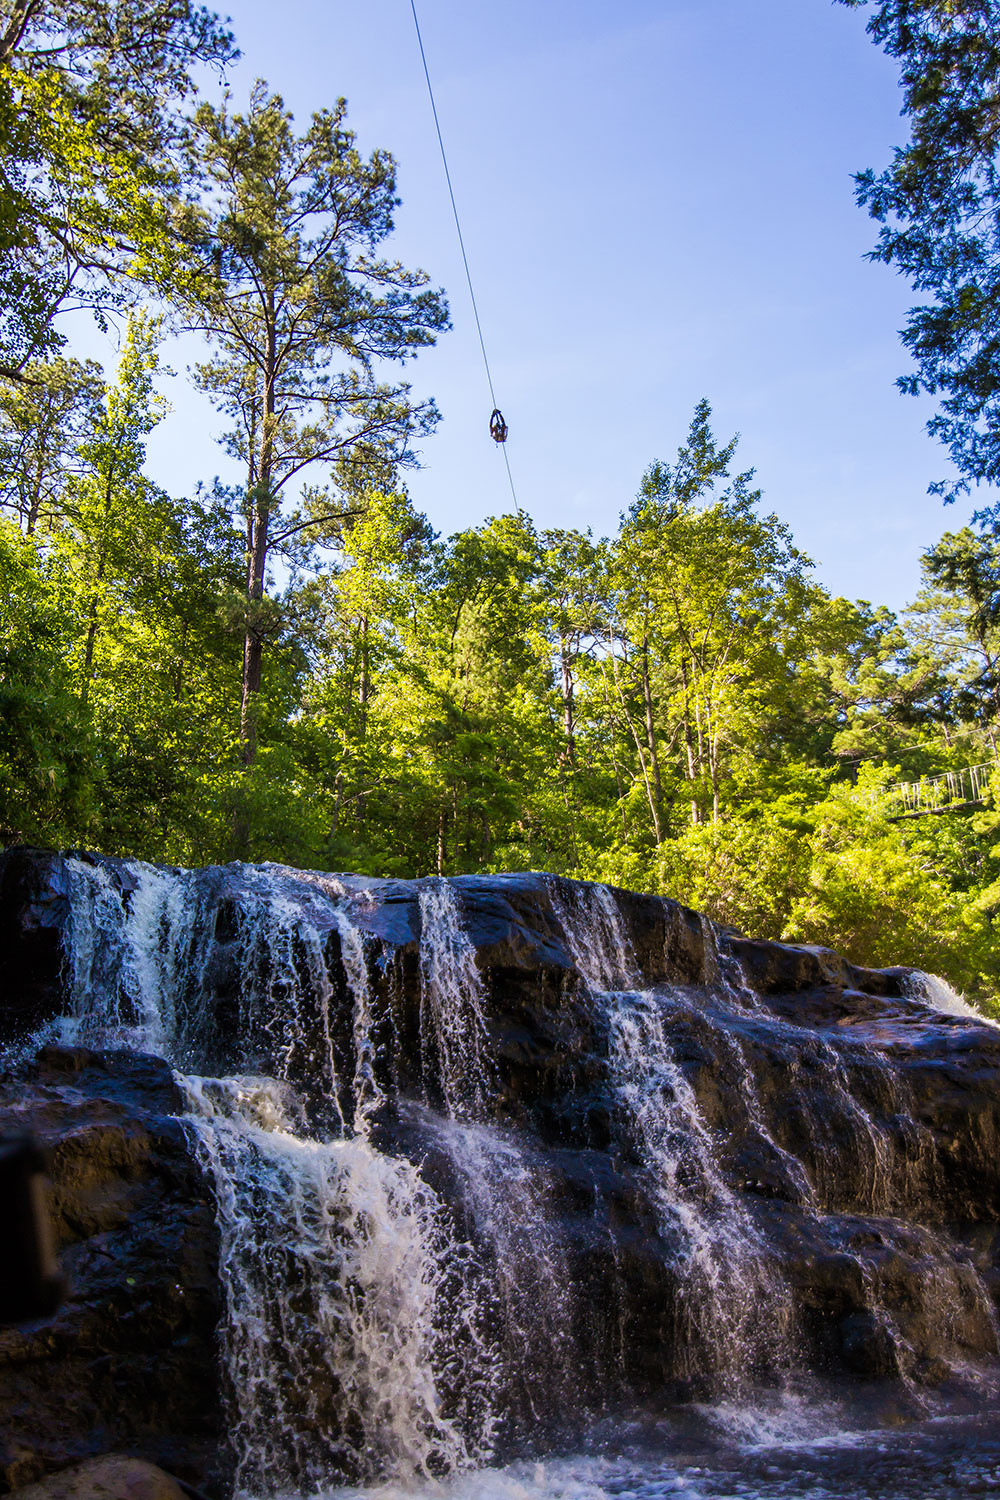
(344, 1284)
(735, 1313)
(354, 1337)
(454, 1039)
(938, 993)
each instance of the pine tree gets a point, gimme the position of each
(301, 311)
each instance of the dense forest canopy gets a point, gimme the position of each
(299, 669)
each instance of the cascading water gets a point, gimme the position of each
(503, 1192)
(127, 959)
(932, 990)
(734, 1312)
(447, 1212)
(737, 1311)
(597, 940)
(343, 1283)
(453, 1027)
(527, 1288)
(353, 1338)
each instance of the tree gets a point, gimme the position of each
(118, 514)
(43, 421)
(144, 579)
(301, 311)
(939, 207)
(355, 623)
(91, 117)
(706, 594)
(47, 769)
(955, 629)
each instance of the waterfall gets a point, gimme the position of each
(737, 1311)
(932, 990)
(504, 1193)
(354, 1335)
(127, 956)
(734, 1313)
(595, 936)
(453, 1026)
(427, 1199)
(528, 1285)
(343, 1284)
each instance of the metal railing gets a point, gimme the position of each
(908, 799)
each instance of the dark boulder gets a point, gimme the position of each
(128, 1362)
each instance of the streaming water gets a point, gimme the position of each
(738, 1316)
(595, 935)
(787, 1455)
(529, 1286)
(344, 1288)
(354, 1336)
(503, 1191)
(734, 1311)
(932, 990)
(453, 1032)
(393, 1311)
(127, 956)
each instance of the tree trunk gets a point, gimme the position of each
(614, 752)
(650, 793)
(569, 727)
(35, 503)
(338, 795)
(259, 519)
(654, 759)
(714, 767)
(179, 671)
(689, 744)
(442, 824)
(93, 623)
(364, 683)
(456, 825)
(88, 654)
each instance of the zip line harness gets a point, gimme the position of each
(498, 427)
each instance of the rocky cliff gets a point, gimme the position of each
(480, 1156)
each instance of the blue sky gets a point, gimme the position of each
(657, 204)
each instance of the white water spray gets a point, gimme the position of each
(343, 1285)
(595, 936)
(452, 1020)
(353, 1335)
(932, 990)
(366, 1335)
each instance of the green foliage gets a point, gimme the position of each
(47, 791)
(677, 707)
(91, 100)
(286, 285)
(43, 420)
(937, 204)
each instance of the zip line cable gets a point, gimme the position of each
(461, 241)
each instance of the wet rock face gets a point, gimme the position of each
(128, 1362)
(113, 1477)
(745, 1157)
(34, 911)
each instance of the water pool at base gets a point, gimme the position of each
(739, 1455)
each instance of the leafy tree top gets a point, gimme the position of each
(938, 204)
